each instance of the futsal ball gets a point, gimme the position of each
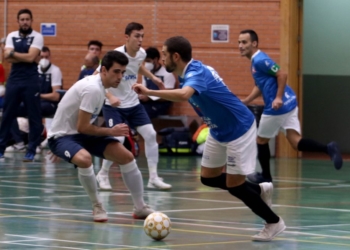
(157, 225)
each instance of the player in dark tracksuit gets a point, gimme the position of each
(21, 49)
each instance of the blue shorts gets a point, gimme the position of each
(67, 146)
(134, 116)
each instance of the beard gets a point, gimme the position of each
(25, 31)
(170, 68)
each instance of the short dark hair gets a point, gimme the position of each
(152, 53)
(25, 11)
(253, 35)
(112, 57)
(45, 49)
(95, 42)
(133, 26)
(180, 45)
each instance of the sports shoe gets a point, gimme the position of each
(29, 157)
(17, 147)
(258, 178)
(158, 183)
(103, 182)
(266, 192)
(142, 213)
(334, 153)
(100, 215)
(270, 231)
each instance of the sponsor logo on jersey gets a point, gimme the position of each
(129, 77)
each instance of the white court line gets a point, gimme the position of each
(314, 208)
(43, 188)
(340, 231)
(336, 186)
(53, 175)
(49, 208)
(79, 242)
(316, 226)
(24, 197)
(43, 184)
(302, 182)
(49, 247)
(204, 200)
(203, 209)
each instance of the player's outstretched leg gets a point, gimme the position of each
(151, 150)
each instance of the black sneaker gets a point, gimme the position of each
(258, 178)
(334, 153)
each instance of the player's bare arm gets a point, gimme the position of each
(84, 127)
(147, 73)
(282, 82)
(174, 95)
(113, 100)
(22, 57)
(253, 95)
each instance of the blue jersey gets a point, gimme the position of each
(227, 117)
(264, 71)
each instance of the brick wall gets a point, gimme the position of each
(80, 21)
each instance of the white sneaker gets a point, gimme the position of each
(100, 215)
(270, 231)
(158, 184)
(103, 182)
(142, 213)
(266, 192)
(17, 147)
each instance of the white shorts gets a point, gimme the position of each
(238, 155)
(270, 125)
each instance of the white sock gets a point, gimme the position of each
(152, 172)
(88, 181)
(151, 148)
(133, 181)
(106, 165)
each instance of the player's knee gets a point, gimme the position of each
(126, 158)
(210, 182)
(82, 159)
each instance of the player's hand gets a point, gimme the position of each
(140, 89)
(143, 98)
(120, 129)
(158, 82)
(277, 103)
(52, 158)
(114, 101)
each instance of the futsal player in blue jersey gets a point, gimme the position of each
(231, 141)
(22, 49)
(280, 111)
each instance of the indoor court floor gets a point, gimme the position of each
(43, 206)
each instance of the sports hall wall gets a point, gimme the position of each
(81, 21)
(326, 71)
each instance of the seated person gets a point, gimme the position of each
(91, 64)
(50, 78)
(156, 106)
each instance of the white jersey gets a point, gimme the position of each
(88, 95)
(128, 98)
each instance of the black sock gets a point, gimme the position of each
(264, 159)
(254, 186)
(253, 200)
(218, 182)
(309, 145)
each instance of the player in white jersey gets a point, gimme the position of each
(74, 138)
(129, 110)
